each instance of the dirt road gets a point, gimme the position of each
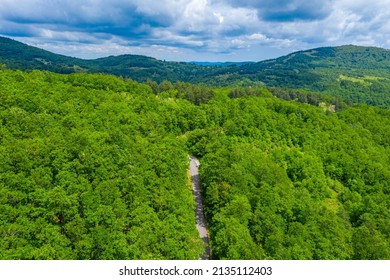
(200, 218)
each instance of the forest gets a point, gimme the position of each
(95, 166)
(355, 74)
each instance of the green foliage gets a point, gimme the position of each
(95, 167)
(91, 169)
(299, 182)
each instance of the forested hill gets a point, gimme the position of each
(311, 67)
(16, 55)
(357, 74)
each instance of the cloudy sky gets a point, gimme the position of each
(194, 30)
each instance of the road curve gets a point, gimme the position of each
(200, 218)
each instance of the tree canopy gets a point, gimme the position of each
(95, 167)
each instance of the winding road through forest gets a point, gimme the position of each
(200, 217)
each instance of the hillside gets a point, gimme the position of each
(142, 68)
(16, 55)
(359, 74)
(356, 74)
(95, 167)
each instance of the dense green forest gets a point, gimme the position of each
(359, 75)
(95, 167)
(92, 168)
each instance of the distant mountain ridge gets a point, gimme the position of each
(16, 55)
(227, 63)
(360, 74)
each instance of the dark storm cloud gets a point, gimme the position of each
(121, 18)
(287, 10)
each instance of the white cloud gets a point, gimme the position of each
(195, 27)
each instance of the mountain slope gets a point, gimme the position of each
(16, 55)
(142, 68)
(345, 58)
(357, 74)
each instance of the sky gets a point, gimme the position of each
(194, 30)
